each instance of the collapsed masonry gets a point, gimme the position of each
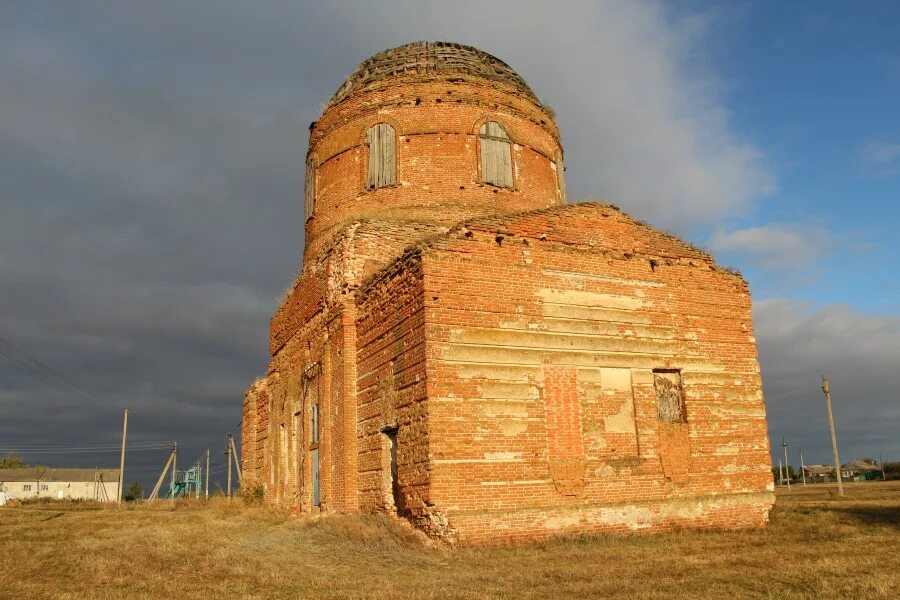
(465, 349)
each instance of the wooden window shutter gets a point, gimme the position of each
(309, 193)
(382, 143)
(496, 155)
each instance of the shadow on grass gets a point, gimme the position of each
(871, 515)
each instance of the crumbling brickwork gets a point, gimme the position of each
(488, 361)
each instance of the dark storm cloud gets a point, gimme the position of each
(149, 224)
(151, 167)
(859, 354)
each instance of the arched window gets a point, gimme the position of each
(309, 193)
(382, 156)
(496, 158)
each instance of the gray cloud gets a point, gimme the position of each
(880, 152)
(859, 353)
(151, 169)
(882, 156)
(775, 246)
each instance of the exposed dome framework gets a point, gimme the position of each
(437, 59)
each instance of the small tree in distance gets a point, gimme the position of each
(12, 461)
(134, 492)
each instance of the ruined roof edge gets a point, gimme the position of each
(493, 223)
(428, 60)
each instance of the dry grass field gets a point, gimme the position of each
(817, 546)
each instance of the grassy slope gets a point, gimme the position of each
(816, 547)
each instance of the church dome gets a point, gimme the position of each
(430, 60)
(430, 133)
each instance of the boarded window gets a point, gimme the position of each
(669, 396)
(496, 157)
(309, 195)
(382, 156)
(314, 424)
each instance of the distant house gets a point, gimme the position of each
(818, 473)
(62, 483)
(860, 470)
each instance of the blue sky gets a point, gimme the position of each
(151, 168)
(818, 87)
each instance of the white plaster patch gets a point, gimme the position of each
(511, 428)
(605, 471)
(573, 276)
(502, 455)
(616, 379)
(591, 299)
(733, 468)
(633, 517)
(623, 421)
(562, 521)
(728, 449)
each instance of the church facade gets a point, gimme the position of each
(469, 351)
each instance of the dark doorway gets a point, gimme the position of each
(390, 434)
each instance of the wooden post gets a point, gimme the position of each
(122, 459)
(228, 452)
(162, 476)
(802, 468)
(787, 465)
(237, 460)
(174, 467)
(206, 478)
(104, 494)
(834, 447)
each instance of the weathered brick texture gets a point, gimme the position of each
(492, 363)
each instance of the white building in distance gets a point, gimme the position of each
(60, 483)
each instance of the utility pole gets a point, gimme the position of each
(787, 465)
(881, 462)
(174, 467)
(162, 476)
(122, 459)
(228, 453)
(237, 460)
(802, 468)
(206, 479)
(834, 448)
(780, 473)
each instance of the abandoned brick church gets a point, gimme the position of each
(466, 349)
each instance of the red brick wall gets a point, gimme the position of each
(254, 411)
(437, 156)
(515, 355)
(392, 392)
(520, 326)
(316, 324)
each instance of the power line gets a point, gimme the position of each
(64, 447)
(34, 373)
(109, 451)
(161, 443)
(41, 368)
